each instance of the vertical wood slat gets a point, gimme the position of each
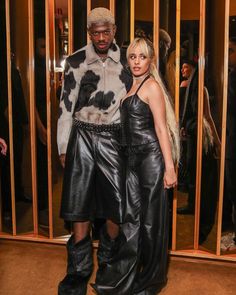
(50, 78)
(223, 127)
(32, 115)
(88, 10)
(156, 24)
(132, 19)
(9, 88)
(112, 6)
(201, 68)
(177, 83)
(70, 27)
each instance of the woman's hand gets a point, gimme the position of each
(170, 178)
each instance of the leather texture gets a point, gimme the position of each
(94, 178)
(141, 262)
(79, 267)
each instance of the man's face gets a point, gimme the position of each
(232, 55)
(102, 36)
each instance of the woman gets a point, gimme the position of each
(151, 139)
(148, 124)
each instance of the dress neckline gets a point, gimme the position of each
(140, 85)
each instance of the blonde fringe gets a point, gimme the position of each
(172, 126)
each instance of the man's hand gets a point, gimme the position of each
(3, 147)
(62, 160)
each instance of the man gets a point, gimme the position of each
(88, 130)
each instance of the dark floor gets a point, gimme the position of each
(28, 268)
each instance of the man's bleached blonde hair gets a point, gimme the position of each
(100, 15)
(146, 47)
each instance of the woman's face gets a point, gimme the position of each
(186, 70)
(138, 62)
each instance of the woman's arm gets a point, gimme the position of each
(156, 102)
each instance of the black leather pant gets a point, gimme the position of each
(141, 262)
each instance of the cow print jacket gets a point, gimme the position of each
(92, 90)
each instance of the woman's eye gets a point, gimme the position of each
(143, 57)
(132, 57)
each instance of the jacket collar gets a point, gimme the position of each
(92, 56)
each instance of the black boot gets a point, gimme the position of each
(79, 267)
(108, 259)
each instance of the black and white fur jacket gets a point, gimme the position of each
(92, 90)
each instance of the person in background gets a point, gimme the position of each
(95, 80)
(41, 127)
(211, 144)
(19, 124)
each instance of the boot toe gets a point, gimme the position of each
(73, 284)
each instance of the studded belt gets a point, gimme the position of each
(95, 127)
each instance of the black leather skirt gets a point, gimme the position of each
(94, 178)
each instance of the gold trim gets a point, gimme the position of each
(223, 128)
(50, 35)
(9, 88)
(132, 19)
(32, 115)
(88, 10)
(177, 83)
(71, 27)
(201, 68)
(156, 11)
(112, 6)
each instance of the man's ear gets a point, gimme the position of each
(114, 28)
(89, 34)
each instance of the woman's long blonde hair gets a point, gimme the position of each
(147, 49)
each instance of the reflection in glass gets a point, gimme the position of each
(20, 124)
(41, 113)
(4, 126)
(79, 24)
(144, 19)
(211, 142)
(188, 101)
(61, 53)
(228, 240)
(100, 3)
(122, 17)
(61, 32)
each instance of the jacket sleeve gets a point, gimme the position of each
(69, 96)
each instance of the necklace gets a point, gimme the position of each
(140, 78)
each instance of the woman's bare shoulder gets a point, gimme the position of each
(152, 86)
